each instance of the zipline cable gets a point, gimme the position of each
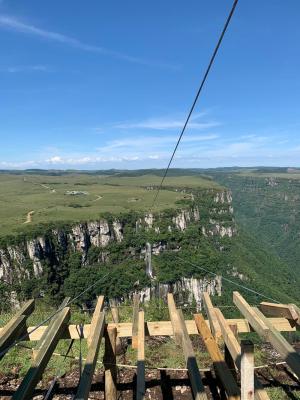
(4, 351)
(196, 98)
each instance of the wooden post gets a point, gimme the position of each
(235, 351)
(211, 315)
(91, 359)
(228, 358)
(16, 326)
(140, 385)
(267, 331)
(115, 316)
(247, 370)
(51, 322)
(109, 364)
(26, 389)
(96, 315)
(182, 338)
(135, 320)
(222, 371)
(174, 319)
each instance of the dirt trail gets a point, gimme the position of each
(29, 217)
(98, 198)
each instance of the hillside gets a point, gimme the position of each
(193, 233)
(267, 206)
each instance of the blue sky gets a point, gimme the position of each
(96, 85)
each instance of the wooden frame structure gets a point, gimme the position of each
(267, 323)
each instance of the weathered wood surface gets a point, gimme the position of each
(96, 315)
(247, 370)
(91, 359)
(109, 360)
(221, 369)
(284, 348)
(51, 322)
(289, 311)
(135, 320)
(34, 374)
(174, 317)
(140, 383)
(268, 332)
(235, 351)
(155, 328)
(181, 336)
(211, 315)
(16, 326)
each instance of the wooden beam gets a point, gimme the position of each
(176, 325)
(254, 320)
(235, 351)
(44, 336)
(140, 383)
(135, 320)
(221, 369)
(97, 311)
(210, 312)
(91, 359)
(155, 328)
(247, 370)
(16, 326)
(109, 364)
(265, 329)
(115, 316)
(191, 362)
(287, 352)
(288, 311)
(26, 388)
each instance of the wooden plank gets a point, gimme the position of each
(16, 326)
(156, 328)
(26, 389)
(222, 370)
(254, 320)
(267, 332)
(235, 351)
(247, 370)
(278, 310)
(191, 362)
(135, 320)
(96, 314)
(176, 325)
(44, 336)
(115, 316)
(109, 364)
(91, 359)
(140, 384)
(287, 352)
(210, 312)
(228, 358)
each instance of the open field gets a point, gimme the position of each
(26, 200)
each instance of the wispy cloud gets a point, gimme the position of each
(26, 68)
(165, 124)
(14, 24)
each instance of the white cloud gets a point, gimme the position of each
(165, 124)
(16, 25)
(26, 68)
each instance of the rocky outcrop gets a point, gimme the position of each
(185, 290)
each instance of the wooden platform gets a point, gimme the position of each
(238, 356)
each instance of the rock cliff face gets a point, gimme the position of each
(27, 258)
(186, 290)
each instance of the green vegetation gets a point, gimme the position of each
(28, 200)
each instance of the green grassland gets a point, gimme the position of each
(45, 197)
